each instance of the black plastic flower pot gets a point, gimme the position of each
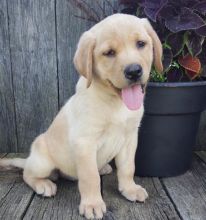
(168, 131)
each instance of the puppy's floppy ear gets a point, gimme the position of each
(83, 58)
(157, 46)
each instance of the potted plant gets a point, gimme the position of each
(175, 99)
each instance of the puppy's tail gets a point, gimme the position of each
(13, 162)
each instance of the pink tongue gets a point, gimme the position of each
(133, 97)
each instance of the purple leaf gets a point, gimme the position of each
(127, 9)
(194, 43)
(201, 31)
(127, 6)
(167, 59)
(176, 42)
(174, 75)
(183, 3)
(153, 7)
(185, 20)
(168, 12)
(187, 3)
(129, 2)
(200, 7)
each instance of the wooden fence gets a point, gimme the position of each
(37, 43)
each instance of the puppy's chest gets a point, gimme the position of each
(115, 135)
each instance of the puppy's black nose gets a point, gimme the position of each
(133, 72)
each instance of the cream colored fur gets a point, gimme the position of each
(95, 126)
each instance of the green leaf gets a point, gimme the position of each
(186, 41)
(175, 64)
(157, 77)
(166, 46)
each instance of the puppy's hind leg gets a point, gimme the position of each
(38, 168)
(107, 169)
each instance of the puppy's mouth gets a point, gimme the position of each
(132, 96)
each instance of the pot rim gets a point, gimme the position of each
(177, 84)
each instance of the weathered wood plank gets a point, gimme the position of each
(15, 195)
(62, 206)
(69, 29)
(188, 191)
(16, 199)
(8, 140)
(33, 56)
(158, 206)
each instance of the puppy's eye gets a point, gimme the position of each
(109, 53)
(140, 44)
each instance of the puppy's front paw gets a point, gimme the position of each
(92, 208)
(135, 193)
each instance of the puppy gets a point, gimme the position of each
(100, 121)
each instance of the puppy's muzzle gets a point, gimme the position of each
(133, 72)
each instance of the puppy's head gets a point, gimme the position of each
(119, 50)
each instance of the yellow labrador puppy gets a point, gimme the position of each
(100, 122)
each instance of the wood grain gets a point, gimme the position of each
(69, 30)
(158, 206)
(15, 195)
(181, 197)
(33, 57)
(188, 191)
(63, 206)
(8, 141)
